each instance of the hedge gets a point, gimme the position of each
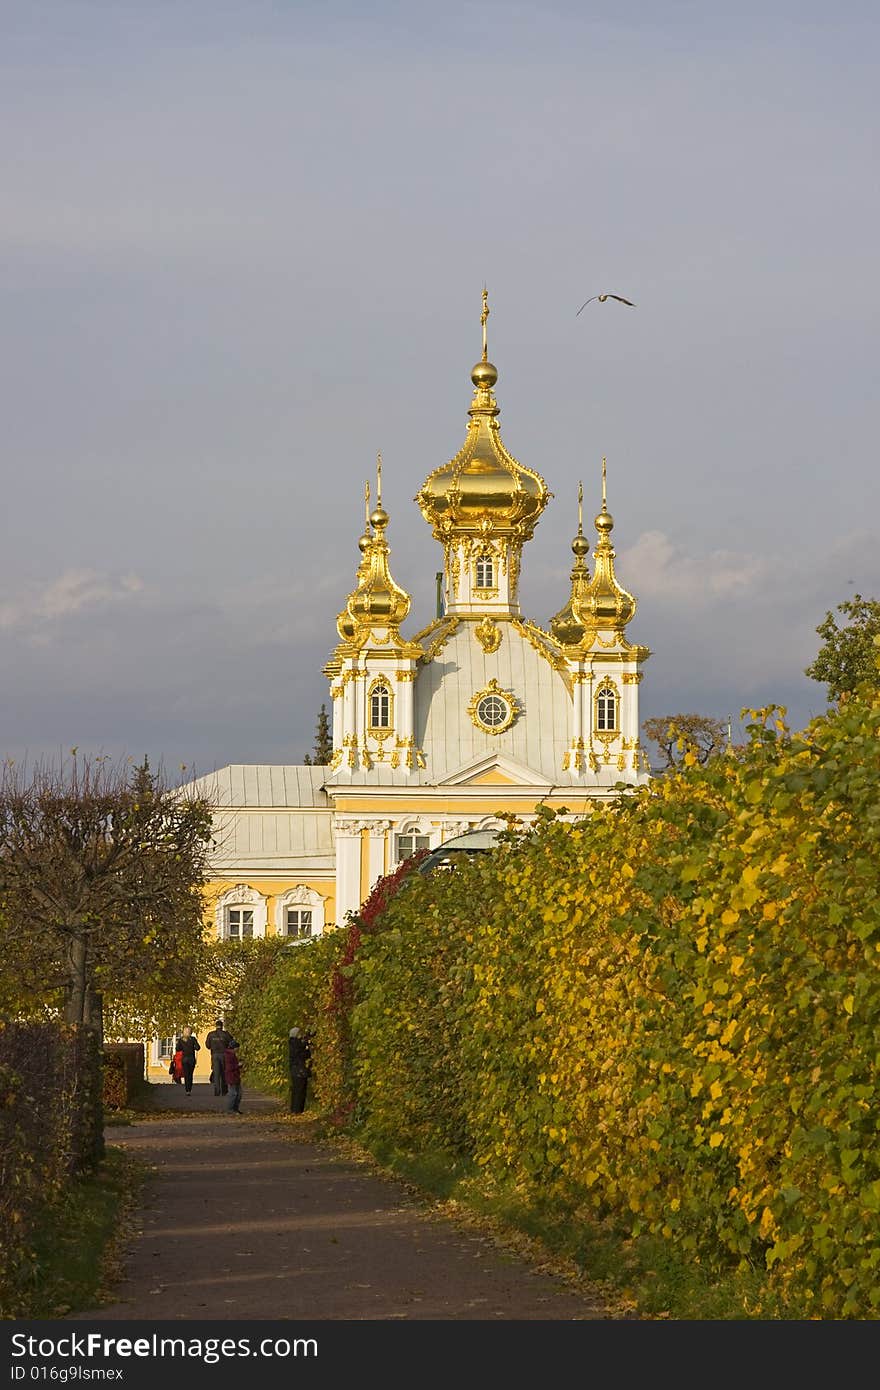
(51, 1128)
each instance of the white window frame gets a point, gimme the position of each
(383, 685)
(412, 833)
(242, 896)
(305, 899)
(483, 562)
(606, 690)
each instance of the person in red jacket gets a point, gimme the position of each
(232, 1072)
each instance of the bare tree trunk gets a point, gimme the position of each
(77, 986)
(94, 1012)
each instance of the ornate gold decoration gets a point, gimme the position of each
(442, 630)
(483, 488)
(404, 675)
(604, 605)
(380, 731)
(606, 736)
(574, 758)
(405, 751)
(509, 700)
(377, 606)
(632, 677)
(542, 642)
(488, 634)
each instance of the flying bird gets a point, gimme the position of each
(602, 297)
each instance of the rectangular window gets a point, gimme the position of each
(241, 923)
(409, 844)
(484, 572)
(299, 921)
(165, 1049)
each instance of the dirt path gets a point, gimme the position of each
(244, 1220)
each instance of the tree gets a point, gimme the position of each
(678, 734)
(848, 652)
(323, 749)
(101, 872)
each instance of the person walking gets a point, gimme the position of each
(217, 1042)
(299, 1055)
(232, 1072)
(188, 1045)
(175, 1069)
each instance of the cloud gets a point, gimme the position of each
(37, 606)
(655, 567)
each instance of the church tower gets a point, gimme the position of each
(482, 714)
(482, 506)
(372, 671)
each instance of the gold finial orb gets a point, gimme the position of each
(580, 546)
(379, 518)
(484, 374)
(604, 521)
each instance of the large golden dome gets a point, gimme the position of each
(483, 490)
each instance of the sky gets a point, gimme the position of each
(243, 248)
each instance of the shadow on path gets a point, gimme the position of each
(245, 1219)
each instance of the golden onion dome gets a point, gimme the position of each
(377, 601)
(483, 490)
(605, 604)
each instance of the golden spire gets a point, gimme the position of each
(483, 490)
(567, 625)
(377, 602)
(605, 604)
(344, 623)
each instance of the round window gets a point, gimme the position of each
(493, 711)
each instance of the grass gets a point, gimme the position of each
(643, 1278)
(77, 1241)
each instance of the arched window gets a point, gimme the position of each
(409, 837)
(380, 706)
(485, 572)
(606, 710)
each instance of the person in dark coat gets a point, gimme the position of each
(217, 1042)
(300, 1062)
(188, 1046)
(232, 1072)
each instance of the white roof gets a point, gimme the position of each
(290, 785)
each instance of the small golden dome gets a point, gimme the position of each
(484, 374)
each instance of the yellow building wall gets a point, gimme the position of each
(271, 889)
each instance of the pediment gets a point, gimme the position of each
(492, 770)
